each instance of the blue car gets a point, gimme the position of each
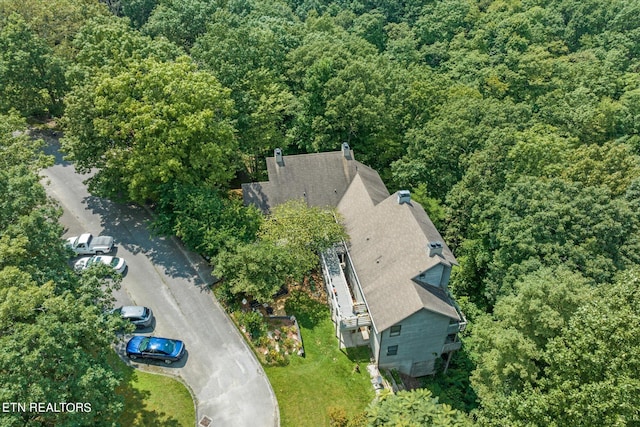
(164, 349)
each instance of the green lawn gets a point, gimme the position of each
(308, 387)
(153, 400)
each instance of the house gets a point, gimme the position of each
(387, 286)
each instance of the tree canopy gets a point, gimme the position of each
(413, 408)
(517, 124)
(152, 124)
(559, 353)
(54, 336)
(288, 243)
(31, 76)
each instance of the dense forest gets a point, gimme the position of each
(516, 123)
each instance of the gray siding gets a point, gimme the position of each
(432, 276)
(420, 343)
(446, 274)
(438, 275)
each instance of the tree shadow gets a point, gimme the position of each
(52, 144)
(129, 224)
(308, 311)
(360, 354)
(139, 238)
(136, 411)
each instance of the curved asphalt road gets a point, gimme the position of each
(229, 385)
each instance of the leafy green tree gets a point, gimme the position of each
(31, 76)
(54, 350)
(359, 109)
(612, 165)
(438, 149)
(512, 343)
(138, 11)
(346, 92)
(54, 337)
(236, 45)
(402, 44)
(539, 151)
(246, 53)
(582, 18)
(441, 21)
(593, 365)
(109, 42)
(288, 245)
(257, 269)
(56, 22)
(370, 26)
(205, 220)
(180, 21)
(413, 408)
(19, 149)
(534, 223)
(585, 370)
(582, 113)
(150, 125)
(29, 231)
(304, 231)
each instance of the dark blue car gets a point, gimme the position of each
(164, 349)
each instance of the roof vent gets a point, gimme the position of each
(404, 196)
(277, 153)
(435, 248)
(346, 151)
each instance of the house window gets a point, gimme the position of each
(392, 350)
(395, 330)
(450, 338)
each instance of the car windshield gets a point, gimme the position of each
(157, 346)
(114, 262)
(165, 347)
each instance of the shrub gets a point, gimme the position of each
(264, 341)
(289, 345)
(253, 322)
(337, 416)
(227, 298)
(274, 357)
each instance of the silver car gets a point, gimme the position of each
(140, 316)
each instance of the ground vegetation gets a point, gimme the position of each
(515, 123)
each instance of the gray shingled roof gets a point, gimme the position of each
(388, 241)
(320, 178)
(388, 247)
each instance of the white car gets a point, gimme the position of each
(118, 264)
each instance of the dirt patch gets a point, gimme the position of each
(410, 383)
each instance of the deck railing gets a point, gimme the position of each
(355, 321)
(452, 346)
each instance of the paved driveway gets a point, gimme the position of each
(229, 385)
